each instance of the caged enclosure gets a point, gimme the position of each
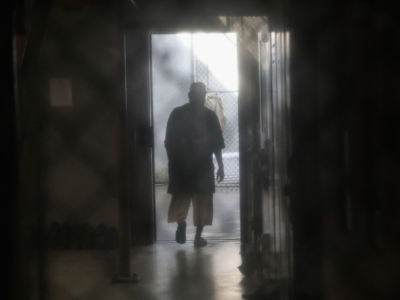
(177, 60)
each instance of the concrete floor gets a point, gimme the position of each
(168, 271)
(226, 219)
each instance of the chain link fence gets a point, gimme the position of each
(229, 100)
(187, 65)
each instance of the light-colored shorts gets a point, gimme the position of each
(202, 208)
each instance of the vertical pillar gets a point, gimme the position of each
(124, 272)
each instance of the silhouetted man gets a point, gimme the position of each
(193, 135)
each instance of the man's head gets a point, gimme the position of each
(197, 94)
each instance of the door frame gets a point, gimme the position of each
(248, 102)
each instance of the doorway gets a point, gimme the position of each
(159, 70)
(177, 60)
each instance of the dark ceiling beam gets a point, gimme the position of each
(191, 8)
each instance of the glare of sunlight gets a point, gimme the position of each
(217, 51)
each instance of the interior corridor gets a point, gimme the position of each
(168, 271)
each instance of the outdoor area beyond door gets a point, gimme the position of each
(178, 60)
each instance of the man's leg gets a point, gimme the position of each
(180, 234)
(177, 212)
(202, 216)
(199, 230)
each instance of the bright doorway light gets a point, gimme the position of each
(177, 60)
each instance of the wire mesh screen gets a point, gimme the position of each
(231, 138)
(229, 100)
(178, 60)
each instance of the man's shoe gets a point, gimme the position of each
(200, 242)
(180, 234)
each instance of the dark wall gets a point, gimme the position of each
(80, 141)
(67, 155)
(8, 150)
(344, 200)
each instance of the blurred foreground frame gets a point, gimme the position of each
(344, 153)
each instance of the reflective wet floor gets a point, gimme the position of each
(168, 271)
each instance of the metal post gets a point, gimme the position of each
(124, 272)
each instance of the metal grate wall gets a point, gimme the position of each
(202, 72)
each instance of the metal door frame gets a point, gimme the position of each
(246, 110)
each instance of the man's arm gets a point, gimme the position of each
(218, 146)
(220, 172)
(168, 134)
